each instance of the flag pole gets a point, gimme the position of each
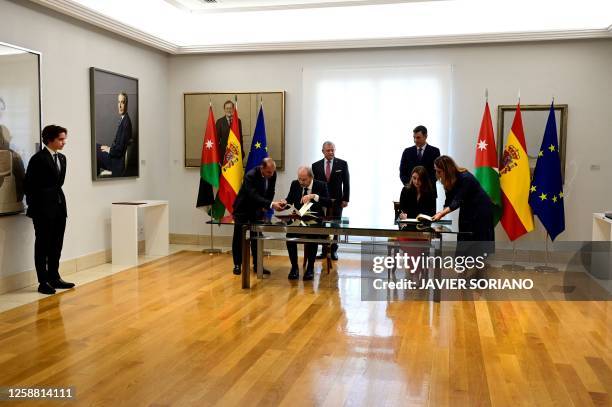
(211, 250)
(546, 268)
(513, 266)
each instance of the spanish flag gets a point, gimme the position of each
(232, 171)
(515, 182)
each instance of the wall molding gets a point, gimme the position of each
(85, 14)
(88, 15)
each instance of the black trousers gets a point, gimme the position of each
(310, 250)
(237, 244)
(337, 214)
(48, 243)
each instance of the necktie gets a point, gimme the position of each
(420, 153)
(305, 192)
(265, 185)
(57, 167)
(328, 170)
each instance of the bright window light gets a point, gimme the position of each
(369, 113)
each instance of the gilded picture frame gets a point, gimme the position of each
(195, 107)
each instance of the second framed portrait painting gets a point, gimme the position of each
(114, 125)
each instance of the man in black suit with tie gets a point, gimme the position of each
(252, 202)
(302, 191)
(420, 154)
(223, 127)
(335, 173)
(47, 207)
(113, 158)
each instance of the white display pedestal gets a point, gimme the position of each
(602, 228)
(124, 227)
(601, 258)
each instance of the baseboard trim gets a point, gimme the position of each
(27, 278)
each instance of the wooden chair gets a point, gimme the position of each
(392, 249)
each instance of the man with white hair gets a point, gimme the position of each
(335, 173)
(303, 190)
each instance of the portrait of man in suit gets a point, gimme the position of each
(223, 125)
(421, 153)
(112, 158)
(47, 207)
(114, 124)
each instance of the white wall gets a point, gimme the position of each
(68, 50)
(577, 73)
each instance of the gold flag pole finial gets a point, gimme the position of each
(487, 95)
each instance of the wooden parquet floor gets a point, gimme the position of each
(181, 331)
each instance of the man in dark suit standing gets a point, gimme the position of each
(223, 127)
(302, 191)
(335, 173)
(420, 154)
(47, 207)
(252, 202)
(113, 158)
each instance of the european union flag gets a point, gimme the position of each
(546, 195)
(259, 146)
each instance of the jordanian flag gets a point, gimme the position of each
(486, 169)
(232, 171)
(517, 218)
(209, 167)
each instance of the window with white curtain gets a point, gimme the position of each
(369, 113)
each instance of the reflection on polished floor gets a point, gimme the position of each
(181, 331)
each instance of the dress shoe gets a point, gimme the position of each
(321, 256)
(308, 275)
(294, 274)
(265, 271)
(236, 270)
(61, 284)
(45, 288)
(334, 256)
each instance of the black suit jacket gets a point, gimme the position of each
(413, 207)
(117, 151)
(339, 180)
(253, 198)
(223, 129)
(409, 161)
(320, 188)
(43, 186)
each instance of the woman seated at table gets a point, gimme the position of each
(417, 197)
(463, 192)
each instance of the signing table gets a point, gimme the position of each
(124, 227)
(343, 227)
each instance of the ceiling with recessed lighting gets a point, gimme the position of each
(204, 26)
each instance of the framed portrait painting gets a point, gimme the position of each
(114, 125)
(20, 122)
(196, 106)
(534, 123)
